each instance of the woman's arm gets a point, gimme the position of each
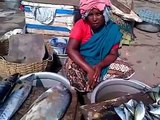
(110, 58)
(73, 52)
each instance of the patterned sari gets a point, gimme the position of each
(77, 76)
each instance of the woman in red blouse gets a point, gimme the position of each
(92, 47)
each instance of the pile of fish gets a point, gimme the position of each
(12, 94)
(133, 110)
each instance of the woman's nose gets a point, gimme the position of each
(94, 17)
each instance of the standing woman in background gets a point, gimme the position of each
(92, 47)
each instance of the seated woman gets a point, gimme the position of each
(92, 47)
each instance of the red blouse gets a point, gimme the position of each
(82, 32)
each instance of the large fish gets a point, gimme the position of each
(51, 105)
(16, 98)
(7, 85)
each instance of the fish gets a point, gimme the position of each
(132, 110)
(51, 105)
(130, 106)
(154, 109)
(6, 86)
(132, 103)
(128, 114)
(139, 111)
(155, 94)
(120, 112)
(148, 116)
(17, 96)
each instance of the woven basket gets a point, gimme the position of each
(8, 68)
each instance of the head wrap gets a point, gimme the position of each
(87, 5)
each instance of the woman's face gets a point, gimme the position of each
(96, 19)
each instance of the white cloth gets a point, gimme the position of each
(132, 16)
(44, 15)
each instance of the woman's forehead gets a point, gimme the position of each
(95, 10)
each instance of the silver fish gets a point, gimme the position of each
(128, 114)
(7, 85)
(16, 98)
(155, 109)
(51, 105)
(132, 103)
(153, 115)
(155, 93)
(120, 112)
(148, 116)
(129, 108)
(139, 111)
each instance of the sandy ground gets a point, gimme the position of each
(143, 53)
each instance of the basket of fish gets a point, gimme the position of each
(41, 95)
(26, 54)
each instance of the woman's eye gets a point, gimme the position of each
(99, 14)
(90, 14)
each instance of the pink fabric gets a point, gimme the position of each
(86, 5)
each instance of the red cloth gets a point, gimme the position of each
(82, 32)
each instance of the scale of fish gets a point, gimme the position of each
(16, 98)
(132, 110)
(51, 105)
(7, 85)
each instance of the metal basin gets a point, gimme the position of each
(113, 88)
(48, 79)
(148, 27)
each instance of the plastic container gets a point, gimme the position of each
(112, 86)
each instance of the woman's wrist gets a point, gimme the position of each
(88, 69)
(100, 65)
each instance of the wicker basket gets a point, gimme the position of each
(8, 68)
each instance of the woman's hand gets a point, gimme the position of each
(91, 79)
(97, 68)
(93, 75)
